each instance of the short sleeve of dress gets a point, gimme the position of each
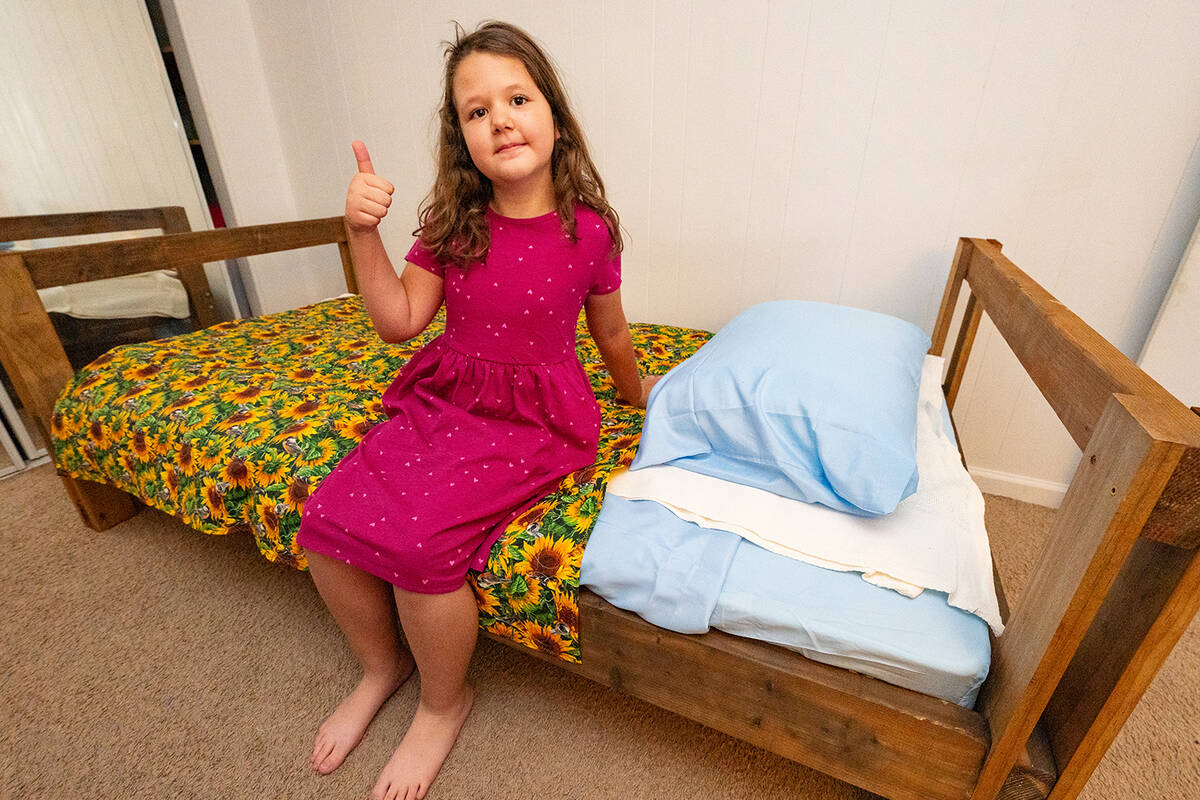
(607, 277)
(424, 258)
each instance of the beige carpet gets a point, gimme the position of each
(152, 662)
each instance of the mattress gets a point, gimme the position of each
(679, 575)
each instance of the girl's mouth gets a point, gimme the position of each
(511, 146)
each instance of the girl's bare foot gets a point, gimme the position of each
(343, 729)
(419, 757)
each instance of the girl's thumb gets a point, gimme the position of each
(363, 158)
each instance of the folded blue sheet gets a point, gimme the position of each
(679, 576)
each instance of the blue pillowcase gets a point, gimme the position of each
(811, 401)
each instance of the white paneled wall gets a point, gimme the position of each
(87, 117)
(825, 150)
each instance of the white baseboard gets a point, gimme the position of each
(1020, 487)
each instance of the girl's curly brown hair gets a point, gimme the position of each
(452, 221)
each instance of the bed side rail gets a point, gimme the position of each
(55, 266)
(1119, 578)
(50, 226)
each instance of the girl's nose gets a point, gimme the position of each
(501, 120)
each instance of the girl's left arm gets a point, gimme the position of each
(609, 328)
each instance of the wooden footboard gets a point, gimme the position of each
(1119, 580)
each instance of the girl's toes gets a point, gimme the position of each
(384, 790)
(331, 762)
(320, 750)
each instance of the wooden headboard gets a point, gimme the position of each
(168, 219)
(30, 350)
(1119, 580)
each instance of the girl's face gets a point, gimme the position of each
(507, 123)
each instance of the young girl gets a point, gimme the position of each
(516, 237)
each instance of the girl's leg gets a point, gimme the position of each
(363, 607)
(441, 630)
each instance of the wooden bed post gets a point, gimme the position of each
(968, 327)
(348, 265)
(1128, 462)
(36, 362)
(204, 311)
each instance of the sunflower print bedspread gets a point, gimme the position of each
(231, 428)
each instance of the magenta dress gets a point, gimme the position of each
(482, 421)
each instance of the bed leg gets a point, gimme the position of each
(1035, 773)
(99, 506)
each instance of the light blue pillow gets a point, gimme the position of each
(811, 401)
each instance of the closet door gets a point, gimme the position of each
(20, 446)
(89, 119)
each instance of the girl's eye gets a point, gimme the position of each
(520, 100)
(476, 114)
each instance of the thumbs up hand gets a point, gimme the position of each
(369, 196)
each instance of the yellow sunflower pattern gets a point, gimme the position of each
(231, 428)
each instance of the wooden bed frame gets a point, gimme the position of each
(85, 340)
(1111, 593)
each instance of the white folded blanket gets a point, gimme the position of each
(149, 294)
(935, 539)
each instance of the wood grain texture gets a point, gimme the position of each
(1119, 479)
(195, 282)
(1142, 618)
(958, 272)
(1035, 772)
(962, 350)
(1176, 518)
(889, 740)
(57, 266)
(30, 351)
(50, 226)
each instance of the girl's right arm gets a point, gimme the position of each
(400, 307)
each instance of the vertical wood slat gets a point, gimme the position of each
(195, 281)
(35, 361)
(1143, 617)
(30, 351)
(348, 267)
(954, 281)
(962, 350)
(1123, 471)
